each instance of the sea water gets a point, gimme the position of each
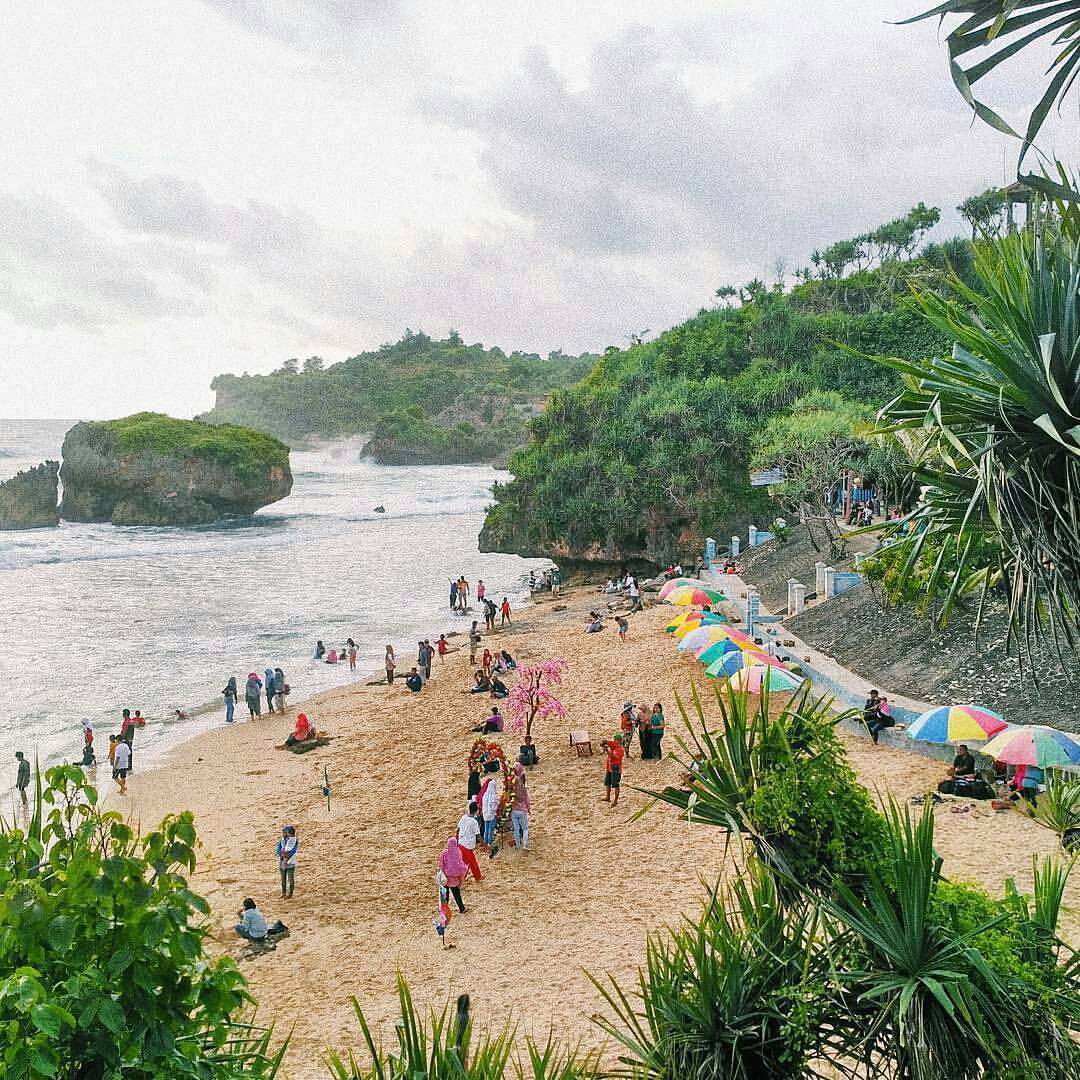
(97, 618)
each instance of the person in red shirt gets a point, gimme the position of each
(613, 765)
(504, 607)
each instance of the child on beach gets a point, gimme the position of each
(623, 625)
(474, 643)
(504, 608)
(287, 847)
(613, 768)
(442, 646)
(486, 662)
(442, 913)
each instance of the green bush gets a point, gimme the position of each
(102, 970)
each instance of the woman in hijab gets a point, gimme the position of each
(279, 689)
(453, 866)
(230, 695)
(251, 695)
(302, 732)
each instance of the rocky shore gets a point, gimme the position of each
(28, 499)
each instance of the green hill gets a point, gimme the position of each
(425, 401)
(650, 453)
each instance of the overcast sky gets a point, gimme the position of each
(218, 185)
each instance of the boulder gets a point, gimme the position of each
(151, 469)
(28, 499)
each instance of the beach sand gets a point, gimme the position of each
(582, 897)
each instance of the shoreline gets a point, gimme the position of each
(584, 896)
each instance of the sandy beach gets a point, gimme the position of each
(584, 895)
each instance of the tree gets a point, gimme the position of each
(531, 699)
(726, 293)
(290, 367)
(102, 969)
(313, 364)
(984, 213)
(995, 433)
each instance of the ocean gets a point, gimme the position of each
(98, 618)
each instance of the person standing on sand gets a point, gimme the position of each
(613, 766)
(442, 646)
(468, 833)
(657, 721)
(454, 867)
(252, 691)
(287, 848)
(519, 811)
(463, 594)
(481, 589)
(352, 654)
(490, 611)
(22, 779)
(391, 663)
(623, 626)
(490, 807)
(279, 689)
(556, 581)
(268, 686)
(626, 726)
(429, 655)
(474, 643)
(505, 609)
(229, 694)
(453, 595)
(127, 734)
(644, 731)
(121, 764)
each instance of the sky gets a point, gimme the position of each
(211, 186)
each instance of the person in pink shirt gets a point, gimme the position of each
(452, 864)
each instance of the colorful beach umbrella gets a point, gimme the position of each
(693, 596)
(686, 629)
(679, 619)
(715, 649)
(957, 723)
(732, 662)
(675, 583)
(1035, 744)
(757, 676)
(704, 635)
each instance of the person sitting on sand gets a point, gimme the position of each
(527, 754)
(492, 723)
(498, 688)
(963, 765)
(303, 731)
(483, 683)
(595, 623)
(252, 925)
(414, 681)
(509, 663)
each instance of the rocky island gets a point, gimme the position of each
(28, 499)
(152, 469)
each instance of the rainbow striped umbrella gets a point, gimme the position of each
(756, 677)
(675, 583)
(731, 662)
(693, 596)
(957, 723)
(686, 629)
(715, 649)
(679, 619)
(1035, 744)
(703, 636)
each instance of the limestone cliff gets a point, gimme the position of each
(151, 469)
(28, 499)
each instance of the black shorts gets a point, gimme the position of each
(119, 774)
(613, 777)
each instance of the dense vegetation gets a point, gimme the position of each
(424, 399)
(656, 443)
(227, 444)
(102, 964)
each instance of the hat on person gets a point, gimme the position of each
(627, 705)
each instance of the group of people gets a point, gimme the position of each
(348, 651)
(272, 684)
(459, 594)
(877, 715)
(547, 580)
(649, 724)
(253, 925)
(595, 623)
(627, 585)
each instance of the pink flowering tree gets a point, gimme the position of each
(531, 698)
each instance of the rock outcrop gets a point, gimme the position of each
(151, 469)
(28, 499)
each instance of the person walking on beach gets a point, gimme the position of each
(279, 689)
(429, 655)
(229, 696)
(22, 778)
(481, 589)
(624, 626)
(519, 811)
(489, 805)
(613, 769)
(505, 609)
(391, 663)
(490, 611)
(252, 690)
(454, 868)
(556, 581)
(442, 646)
(634, 590)
(468, 833)
(121, 764)
(453, 595)
(287, 847)
(474, 643)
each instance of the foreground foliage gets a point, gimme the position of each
(101, 951)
